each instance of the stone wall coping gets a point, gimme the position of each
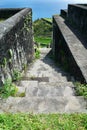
(78, 51)
(79, 6)
(9, 23)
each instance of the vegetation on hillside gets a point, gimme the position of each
(43, 122)
(42, 32)
(48, 19)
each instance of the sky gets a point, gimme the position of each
(41, 8)
(26, 2)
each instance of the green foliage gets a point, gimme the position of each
(42, 28)
(43, 41)
(37, 53)
(16, 75)
(8, 89)
(81, 89)
(43, 122)
(42, 32)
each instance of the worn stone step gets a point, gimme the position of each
(49, 91)
(46, 89)
(57, 104)
(26, 83)
(44, 77)
(57, 84)
(46, 71)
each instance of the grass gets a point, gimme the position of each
(8, 89)
(37, 53)
(43, 122)
(43, 41)
(81, 89)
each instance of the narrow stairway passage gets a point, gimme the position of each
(47, 90)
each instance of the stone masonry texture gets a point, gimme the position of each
(16, 44)
(77, 15)
(68, 49)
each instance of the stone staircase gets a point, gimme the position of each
(47, 90)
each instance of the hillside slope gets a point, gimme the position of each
(42, 32)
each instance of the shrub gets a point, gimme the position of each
(8, 89)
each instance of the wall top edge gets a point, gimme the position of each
(82, 6)
(9, 23)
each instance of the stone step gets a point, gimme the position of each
(57, 104)
(49, 91)
(44, 77)
(57, 84)
(45, 89)
(26, 83)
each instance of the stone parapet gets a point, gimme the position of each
(68, 49)
(16, 44)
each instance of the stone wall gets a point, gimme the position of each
(68, 50)
(77, 15)
(16, 45)
(63, 13)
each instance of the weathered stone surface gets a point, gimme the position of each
(44, 105)
(16, 46)
(77, 16)
(68, 49)
(45, 97)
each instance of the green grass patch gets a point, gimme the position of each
(37, 53)
(81, 89)
(8, 89)
(43, 41)
(43, 122)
